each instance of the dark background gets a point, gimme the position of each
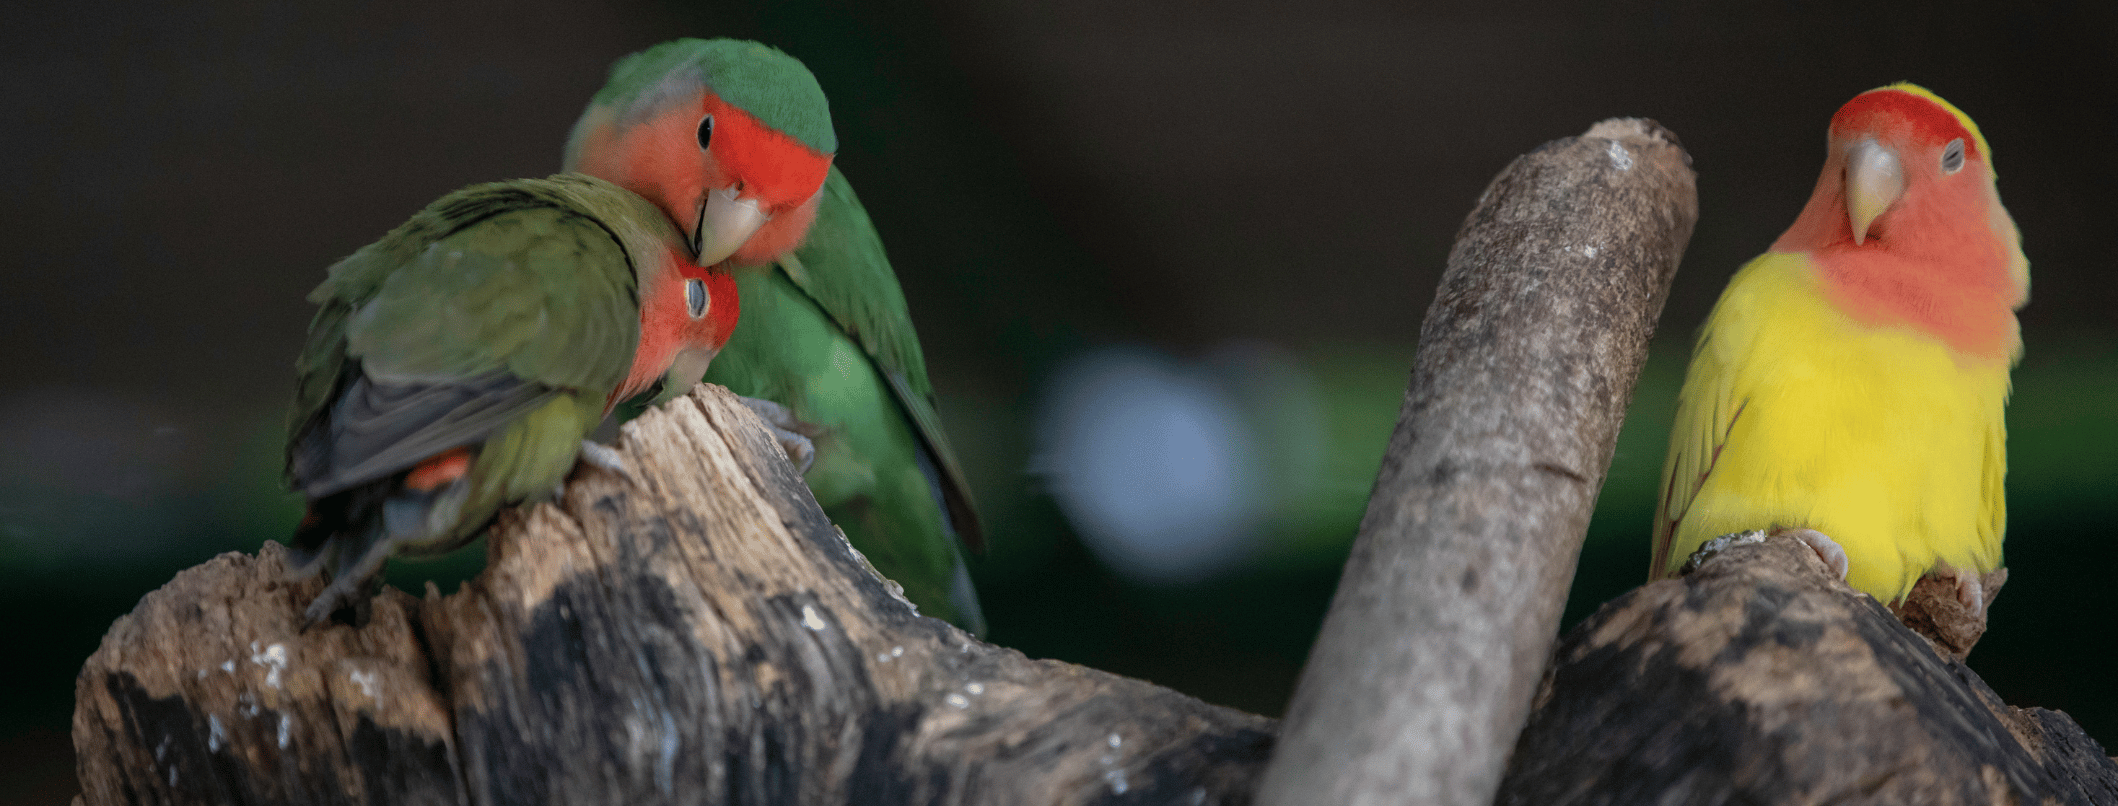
(1170, 184)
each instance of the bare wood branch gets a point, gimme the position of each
(1760, 679)
(702, 634)
(1446, 613)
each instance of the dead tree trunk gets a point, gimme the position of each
(697, 633)
(1445, 614)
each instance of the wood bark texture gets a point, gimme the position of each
(1447, 610)
(690, 631)
(1761, 679)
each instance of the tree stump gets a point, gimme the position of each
(695, 632)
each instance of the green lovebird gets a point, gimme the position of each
(457, 365)
(826, 351)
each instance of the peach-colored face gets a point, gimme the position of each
(688, 314)
(1935, 249)
(664, 160)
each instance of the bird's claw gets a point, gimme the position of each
(596, 454)
(335, 597)
(786, 430)
(1827, 549)
(1717, 545)
(1970, 587)
(352, 588)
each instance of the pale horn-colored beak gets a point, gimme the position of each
(1874, 179)
(725, 222)
(688, 367)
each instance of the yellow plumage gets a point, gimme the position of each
(1852, 380)
(1883, 438)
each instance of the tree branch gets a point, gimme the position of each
(1445, 615)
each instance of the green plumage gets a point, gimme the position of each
(760, 79)
(501, 318)
(826, 333)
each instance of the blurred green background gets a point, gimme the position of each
(1209, 229)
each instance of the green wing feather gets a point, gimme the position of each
(842, 267)
(487, 303)
(827, 334)
(501, 316)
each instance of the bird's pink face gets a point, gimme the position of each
(1906, 226)
(739, 189)
(686, 316)
(1908, 164)
(1900, 171)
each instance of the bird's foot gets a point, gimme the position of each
(1826, 549)
(786, 430)
(599, 455)
(341, 594)
(351, 589)
(1708, 549)
(1970, 587)
(1948, 606)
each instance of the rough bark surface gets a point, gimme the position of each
(1760, 679)
(1446, 612)
(697, 632)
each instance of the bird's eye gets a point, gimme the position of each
(705, 131)
(1953, 156)
(695, 298)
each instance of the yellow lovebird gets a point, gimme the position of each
(1851, 380)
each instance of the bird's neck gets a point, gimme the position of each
(1943, 269)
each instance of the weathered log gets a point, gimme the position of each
(692, 631)
(1446, 612)
(1761, 679)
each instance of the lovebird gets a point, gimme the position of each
(826, 352)
(456, 365)
(1850, 382)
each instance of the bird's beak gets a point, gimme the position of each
(688, 367)
(725, 222)
(1874, 180)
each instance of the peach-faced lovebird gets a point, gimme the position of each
(826, 351)
(456, 365)
(1849, 383)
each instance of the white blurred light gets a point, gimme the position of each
(1153, 464)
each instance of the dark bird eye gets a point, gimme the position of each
(695, 298)
(705, 131)
(1953, 156)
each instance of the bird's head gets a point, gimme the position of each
(1906, 225)
(731, 139)
(1906, 153)
(1908, 174)
(700, 309)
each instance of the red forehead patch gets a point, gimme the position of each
(1896, 114)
